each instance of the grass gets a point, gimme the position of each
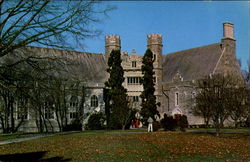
(134, 146)
(241, 129)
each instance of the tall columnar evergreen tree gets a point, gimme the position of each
(149, 105)
(119, 111)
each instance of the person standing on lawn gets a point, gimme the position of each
(137, 124)
(132, 124)
(150, 124)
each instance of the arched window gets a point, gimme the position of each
(94, 101)
(73, 101)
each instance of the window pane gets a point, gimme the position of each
(94, 101)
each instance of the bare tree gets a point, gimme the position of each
(236, 102)
(202, 107)
(248, 73)
(212, 100)
(48, 23)
(63, 24)
(247, 103)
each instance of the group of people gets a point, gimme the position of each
(135, 124)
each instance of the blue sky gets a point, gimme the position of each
(183, 25)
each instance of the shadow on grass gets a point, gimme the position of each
(31, 156)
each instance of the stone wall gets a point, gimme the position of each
(179, 99)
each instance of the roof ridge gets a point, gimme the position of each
(56, 49)
(191, 49)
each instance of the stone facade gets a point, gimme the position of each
(175, 74)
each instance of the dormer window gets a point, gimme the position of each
(133, 63)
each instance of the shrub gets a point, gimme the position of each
(95, 121)
(156, 126)
(183, 122)
(168, 123)
(247, 123)
(75, 125)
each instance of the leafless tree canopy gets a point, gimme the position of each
(221, 97)
(60, 24)
(36, 80)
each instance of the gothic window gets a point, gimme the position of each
(48, 110)
(176, 99)
(73, 101)
(72, 115)
(133, 63)
(135, 98)
(48, 113)
(22, 113)
(94, 101)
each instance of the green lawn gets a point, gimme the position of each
(223, 129)
(136, 146)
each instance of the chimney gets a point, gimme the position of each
(228, 30)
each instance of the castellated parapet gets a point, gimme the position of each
(154, 39)
(112, 39)
(112, 42)
(155, 45)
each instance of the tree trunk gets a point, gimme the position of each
(18, 125)
(217, 127)
(58, 121)
(40, 120)
(236, 123)
(51, 126)
(44, 123)
(123, 127)
(12, 120)
(2, 123)
(206, 121)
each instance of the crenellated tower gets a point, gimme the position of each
(112, 42)
(154, 43)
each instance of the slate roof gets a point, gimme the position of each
(90, 67)
(192, 64)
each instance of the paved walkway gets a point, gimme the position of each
(34, 137)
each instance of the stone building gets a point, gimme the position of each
(175, 73)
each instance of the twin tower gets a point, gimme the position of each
(154, 43)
